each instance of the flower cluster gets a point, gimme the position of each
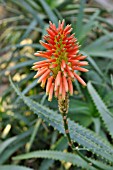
(62, 59)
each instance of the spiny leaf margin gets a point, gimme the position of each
(13, 167)
(102, 109)
(62, 156)
(84, 137)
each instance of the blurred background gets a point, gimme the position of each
(22, 25)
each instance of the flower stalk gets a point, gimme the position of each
(63, 108)
(58, 71)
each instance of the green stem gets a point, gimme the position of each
(71, 144)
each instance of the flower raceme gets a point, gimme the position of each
(62, 59)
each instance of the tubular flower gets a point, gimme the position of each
(62, 59)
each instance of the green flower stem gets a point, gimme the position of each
(64, 113)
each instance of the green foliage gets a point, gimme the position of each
(105, 114)
(100, 49)
(84, 137)
(6, 147)
(41, 135)
(48, 10)
(62, 156)
(13, 167)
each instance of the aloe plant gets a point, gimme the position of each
(32, 134)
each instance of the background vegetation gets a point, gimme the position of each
(31, 128)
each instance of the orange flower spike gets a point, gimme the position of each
(62, 25)
(58, 78)
(70, 73)
(49, 53)
(73, 62)
(40, 62)
(40, 72)
(60, 88)
(51, 92)
(44, 62)
(63, 91)
(59, 26)
(44, 75)
(46, 45)
(62, 68)
(67, 28)
(65, 73)
(62, 59)
(51, 32)
(53, 65)
(70, 86)
(53, 27)
(40, 66)
(56, 93)
(63, 64)
(80, 57)
(83, 63)
(65, 83)
(79, 79)
(41, 55)
(43, 82)
(56, 86)
(49, 82)
(81, 69)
